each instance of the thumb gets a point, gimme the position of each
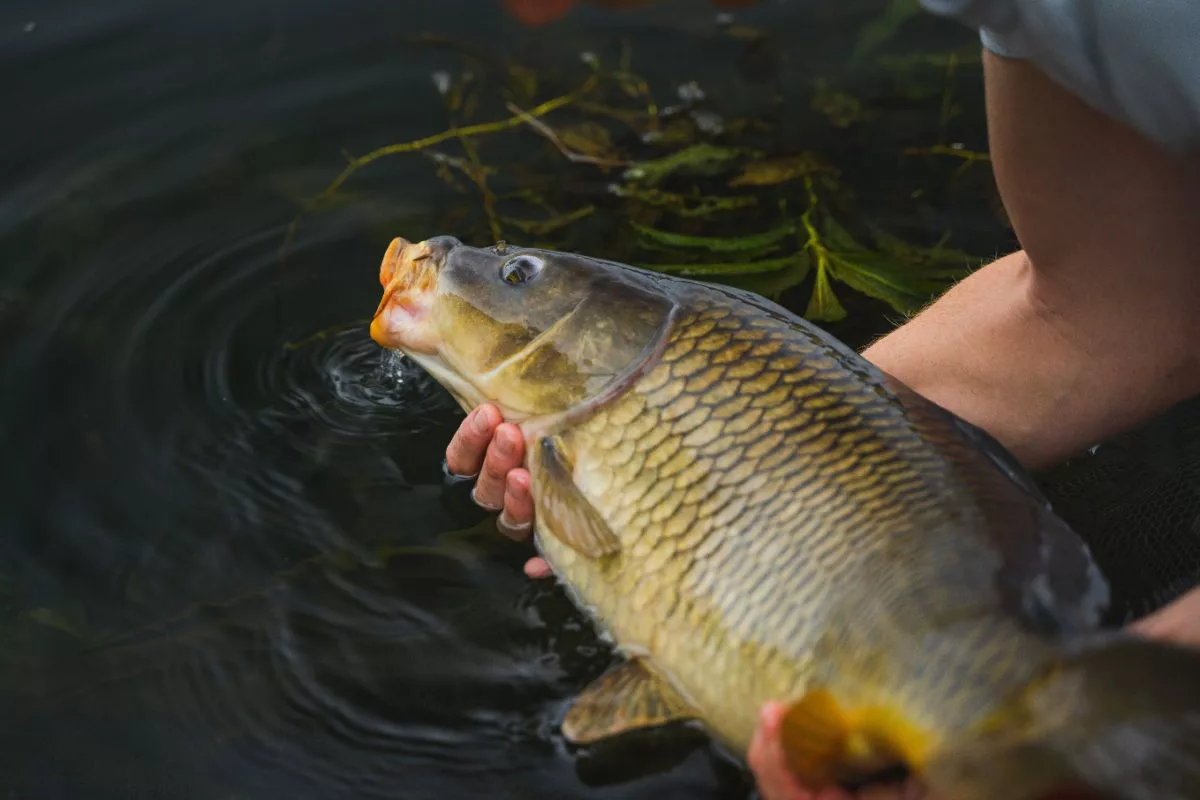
(768, 762)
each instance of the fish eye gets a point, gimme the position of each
(520, 269)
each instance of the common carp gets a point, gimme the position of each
(752, 512)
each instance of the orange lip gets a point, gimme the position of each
(408, 278)
(391, 260)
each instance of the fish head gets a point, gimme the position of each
(537, 332)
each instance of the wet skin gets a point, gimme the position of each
(494, 450)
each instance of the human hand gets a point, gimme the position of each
(777, 782)
(766, 759)
(1178, 621)
(486, 446)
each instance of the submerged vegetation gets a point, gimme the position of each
(611, 168)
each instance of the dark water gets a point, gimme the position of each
(227, 567)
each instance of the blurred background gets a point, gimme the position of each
(227, 566)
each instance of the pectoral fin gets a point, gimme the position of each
(564, 511)
(625, 698)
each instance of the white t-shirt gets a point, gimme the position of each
(1135, 60)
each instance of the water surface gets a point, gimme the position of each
(228, 568)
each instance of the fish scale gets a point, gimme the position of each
(754, 512)
(836, 519)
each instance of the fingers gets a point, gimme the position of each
(516, 520)
(1178, 621)
(537, 568)
(775, 780)
(464, 455)
(767, 762)
(504, 454)
(494, 450)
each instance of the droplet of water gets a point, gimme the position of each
(690, 92)
(391, 367)
(708, 122)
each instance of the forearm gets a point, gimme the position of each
(1047, 381)
(1105, 331)
(984, 352)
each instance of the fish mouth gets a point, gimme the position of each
(404, 320)
(408, 274)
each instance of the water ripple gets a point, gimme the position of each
(228, 568)
(289, 605)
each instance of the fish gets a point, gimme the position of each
(752, 511)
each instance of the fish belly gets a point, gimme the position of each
(679, 636)
(784, 526)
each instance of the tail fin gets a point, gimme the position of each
(1119, 717)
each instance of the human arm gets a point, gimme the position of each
(1090, 329)
(1094, 325)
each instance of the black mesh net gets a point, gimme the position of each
(1136, 500)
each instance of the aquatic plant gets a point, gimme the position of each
(687, 190)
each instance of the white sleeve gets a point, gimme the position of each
(1135, 60)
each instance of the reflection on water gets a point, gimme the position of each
(228, 567)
